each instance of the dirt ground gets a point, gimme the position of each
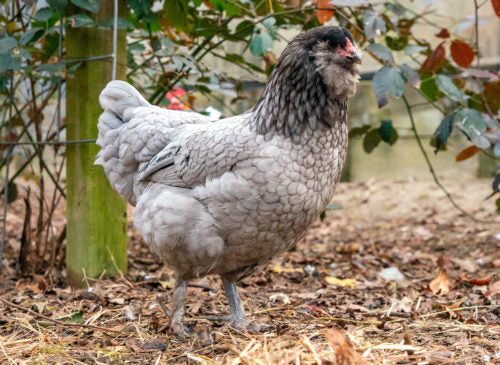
(396, 276)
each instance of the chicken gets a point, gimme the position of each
(224, 197)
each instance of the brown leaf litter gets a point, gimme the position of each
(438, 302)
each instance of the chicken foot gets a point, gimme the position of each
(236, 319)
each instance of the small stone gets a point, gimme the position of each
(309, 269)
(391, 274)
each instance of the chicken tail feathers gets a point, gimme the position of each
(119, 101)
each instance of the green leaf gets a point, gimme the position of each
(387, 132)
(471, 122)
(443, 131)
(9, 62)
(269, 22)
(75, 317)
(411, 75)
(44, 14)
(387, 80)
(228, 6)
(121, 23)
(396, 9)
(396, 44)
(90, 5)
(373, 25)
(175, 12)
(31, 35)
(371, 140)
(141, 8)
(260, 44)
(244, 29)
(429, 88)
(413, 48)
(359, 131)
(51, 68)
(50, 45)
(7, 44)
(447, 87)
(25, 53)
(381, 52)
(3, 82)
(80, 20)
(58, 4)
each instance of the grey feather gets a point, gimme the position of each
(222, 197)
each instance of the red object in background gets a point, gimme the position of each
(176, 93)
(323, 14)
(175, 103)
(462, 53)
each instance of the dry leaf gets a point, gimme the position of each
(441, 283)
(344, 352)
(477, 281)
(496, 6)
(434, 61)
(278, 269)
(443, 33)
(346, 283)
(467, 153)
(493, 290)
(456, 304)
(322, 13)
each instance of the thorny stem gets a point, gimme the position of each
(431, 168)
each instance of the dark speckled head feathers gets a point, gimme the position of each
(336, 36)
(311, 82)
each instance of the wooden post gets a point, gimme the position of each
(96, 215)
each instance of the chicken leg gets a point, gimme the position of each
(237, 317)
(177, 310)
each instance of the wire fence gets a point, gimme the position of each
(56, 139)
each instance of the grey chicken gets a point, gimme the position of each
(224, 197)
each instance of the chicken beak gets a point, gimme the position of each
(356, 58)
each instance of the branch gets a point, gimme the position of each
(431, 168)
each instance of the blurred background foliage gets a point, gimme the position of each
(430, 72)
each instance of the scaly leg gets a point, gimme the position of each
(177, 310)
(237, 317)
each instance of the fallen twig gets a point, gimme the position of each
(55, 321)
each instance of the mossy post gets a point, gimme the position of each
(96, 215)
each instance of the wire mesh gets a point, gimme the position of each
(11, 144)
